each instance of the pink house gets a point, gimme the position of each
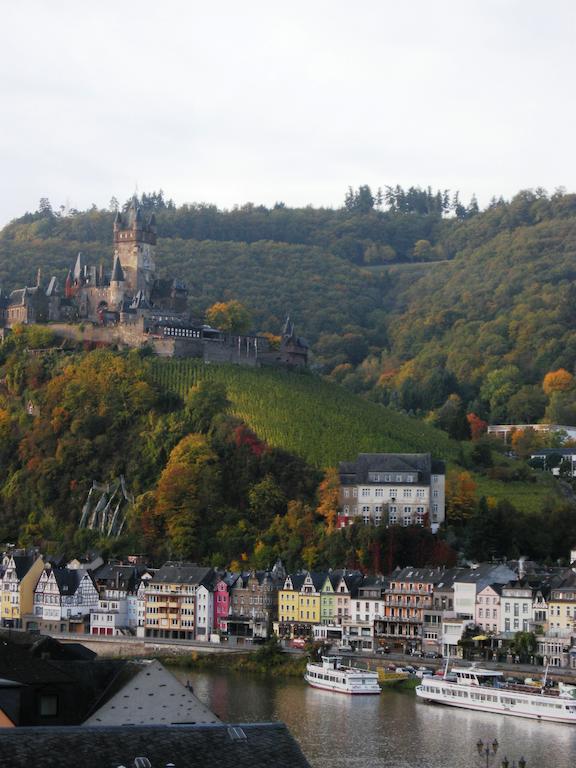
(487, 611)
(222, 601)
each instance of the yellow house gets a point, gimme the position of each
(18, 585)
(309, 601)
(288, 599)
(562, 605)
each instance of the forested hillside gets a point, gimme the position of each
(230, 465)
(406, 296)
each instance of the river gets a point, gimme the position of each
(392, 730)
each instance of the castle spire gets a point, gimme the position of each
(117, 272)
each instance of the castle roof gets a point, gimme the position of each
(117, 272)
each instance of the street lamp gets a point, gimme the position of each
(506, 763)
(487, 750)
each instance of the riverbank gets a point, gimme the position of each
(264, 661)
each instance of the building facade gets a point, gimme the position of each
(392, 489)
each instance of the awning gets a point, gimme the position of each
(481, 637)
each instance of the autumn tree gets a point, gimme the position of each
(188, 491)
(460, 496)
(477, 426)
(526, 441)
(229, 316)
(328, 497)
(557, 381)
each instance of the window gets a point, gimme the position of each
(507, 625)
(379, 492)
(420, 493)
(346, 509)
(409, 478)
(407, 510)
(506, 607)
(398, 478)
(365, 492)
(434, 478)
(387, 478)
(393, 519)
(346, 492)
(354, 492)
(407, 520)
(393, 493)
(48, 705)
(435, 493)
(407, 493)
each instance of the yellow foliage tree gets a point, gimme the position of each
(460, 495)
(329, 496)
(557, 381)
(229, 316)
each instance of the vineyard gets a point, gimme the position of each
(319, 421)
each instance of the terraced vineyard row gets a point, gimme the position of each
(312, 418)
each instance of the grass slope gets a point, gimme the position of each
(303, 414)
(324, 423)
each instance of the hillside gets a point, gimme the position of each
(324, 423)
(409, 305)
(318, 421)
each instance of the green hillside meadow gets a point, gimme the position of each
(303, 414)
(324, 423)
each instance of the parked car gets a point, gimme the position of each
(382, 649)
(424, 672)
(432, 655)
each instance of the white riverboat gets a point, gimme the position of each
(330, 675)
(485, 690)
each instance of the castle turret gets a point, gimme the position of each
(68, 285)
(117, 283)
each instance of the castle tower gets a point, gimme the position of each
(135, 246)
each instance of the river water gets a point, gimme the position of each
(392, 730)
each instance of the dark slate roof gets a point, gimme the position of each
(124, 577)
(257, 745)
(67, 580)
(418, 575)
(117, 272)
(297, 580)
(180, 573)
(422, 463)
(23, 563)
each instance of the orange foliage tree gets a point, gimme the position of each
(328, 497)
(557, 381)
(460, 496)
(477, 426)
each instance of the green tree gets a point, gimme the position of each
(204, 402)
(266, 501)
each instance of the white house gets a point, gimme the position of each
(517, 607)
(205, 607)
(62, 593)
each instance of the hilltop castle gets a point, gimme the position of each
(130, 306)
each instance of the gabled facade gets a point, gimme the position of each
(253, 605)
(488, 609)
(62, 596)
(21, 575)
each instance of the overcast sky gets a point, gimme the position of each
(230, 102)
